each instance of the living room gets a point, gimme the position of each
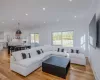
(49, 40)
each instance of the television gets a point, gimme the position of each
(98, 33)
(93, 32)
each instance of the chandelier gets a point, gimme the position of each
(18, 30)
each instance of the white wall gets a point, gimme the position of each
(94, 54)
(8, 33)
(1, 35)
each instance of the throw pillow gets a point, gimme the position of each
(58, 50)
(77, 51)
(23, 55)
(72, 51)
(38, 51)
(42, 51)
(29, 55)
(62, 50)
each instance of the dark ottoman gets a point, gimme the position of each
(57, 66)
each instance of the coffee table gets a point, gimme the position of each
(57, 66)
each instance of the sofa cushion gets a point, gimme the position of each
(55, 48)
(60, 53)
(58, 48)
(47, 48)
(49, 52)
(33, 52)
(75, 55)
(42, 56)
(17, 57)
(28, 62)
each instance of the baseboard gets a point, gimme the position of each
(95, 74)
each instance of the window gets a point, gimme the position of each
(67, 39)
(63, 38)
(57, 38)
(83, 41)
(35, 38)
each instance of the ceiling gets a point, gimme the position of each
(56, 11)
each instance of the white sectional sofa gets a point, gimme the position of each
(28, 65)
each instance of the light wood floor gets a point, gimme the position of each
(76, 72)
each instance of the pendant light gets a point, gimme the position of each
(18, 30)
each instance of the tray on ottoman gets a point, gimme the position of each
(57, 66)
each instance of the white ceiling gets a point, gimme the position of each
(64, 10)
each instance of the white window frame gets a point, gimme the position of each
(61, 36)
(34, 37)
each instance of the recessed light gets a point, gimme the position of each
(44, 22)
(74, 16)
(70, 0)
(2, 22)
(12, 19)
(26, 14)
(57, 20)
(44, 9)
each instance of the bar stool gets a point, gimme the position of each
(12, 49)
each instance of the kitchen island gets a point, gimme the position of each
(13, 48)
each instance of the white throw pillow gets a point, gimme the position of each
(54, 48)
(17, 55)
(33, 52)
